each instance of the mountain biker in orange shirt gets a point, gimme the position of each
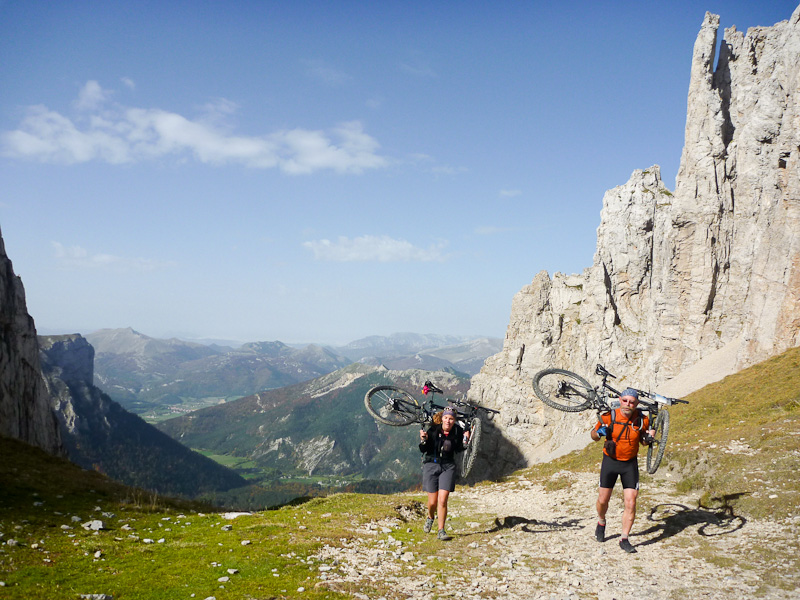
(624, 429)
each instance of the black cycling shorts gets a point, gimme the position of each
(626, 470)
(438, 476)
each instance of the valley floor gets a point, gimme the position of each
(518, 540)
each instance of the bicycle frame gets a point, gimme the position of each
(651, 406)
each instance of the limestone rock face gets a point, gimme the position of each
(68, 368)
(25, 412)
(679, 279)
(99, 434)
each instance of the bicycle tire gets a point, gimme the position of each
(655, 451)
(393, 406)
(471, 451)
(574, 392)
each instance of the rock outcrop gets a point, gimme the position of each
(99, 434)
(680, 280)
(25, 411)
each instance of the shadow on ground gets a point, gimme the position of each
(498, 456)
(671, 519)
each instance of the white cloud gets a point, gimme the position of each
(320, 71)
(78, 257)
(117, 134)
(429, 164)
(373, 249)
(128, 82)
(418, 70)
(374, 102)
(91, 96)
(448, 170)
(510, 193)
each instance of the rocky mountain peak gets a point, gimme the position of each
(70, 355)
(706, 277)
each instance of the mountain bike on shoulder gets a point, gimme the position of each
(394, 406)
(566, 391)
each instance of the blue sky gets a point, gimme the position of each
(324, 171)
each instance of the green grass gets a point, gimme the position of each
(40, 493)
(228, 460)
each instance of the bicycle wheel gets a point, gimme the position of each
(563, 390)
(392, 406)
(655, 452)
(471, 451)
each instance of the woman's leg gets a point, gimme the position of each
(442, 506)
(432, 501)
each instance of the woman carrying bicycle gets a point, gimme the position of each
(439, 444)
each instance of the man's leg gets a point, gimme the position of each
(603, 498)
(628, 516)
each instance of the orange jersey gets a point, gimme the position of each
(626, 433)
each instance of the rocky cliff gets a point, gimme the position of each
(25, 411)
(99, 434)
(703, 279)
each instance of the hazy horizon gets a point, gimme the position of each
(224, 341)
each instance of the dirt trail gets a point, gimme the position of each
(519, 541)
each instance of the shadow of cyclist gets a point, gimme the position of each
(671, 519)
(532, 525)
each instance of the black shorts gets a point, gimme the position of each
(627, 470)
(438, 476)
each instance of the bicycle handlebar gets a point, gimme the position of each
(430, 387)
(601, 370)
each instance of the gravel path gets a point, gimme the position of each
(520, 541)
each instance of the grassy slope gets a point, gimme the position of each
(40, 494)
(736, 444)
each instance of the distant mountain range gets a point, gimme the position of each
(430, 352)
(159, 378)
(146, 374)
(319, 428)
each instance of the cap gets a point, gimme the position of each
(630, 392)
